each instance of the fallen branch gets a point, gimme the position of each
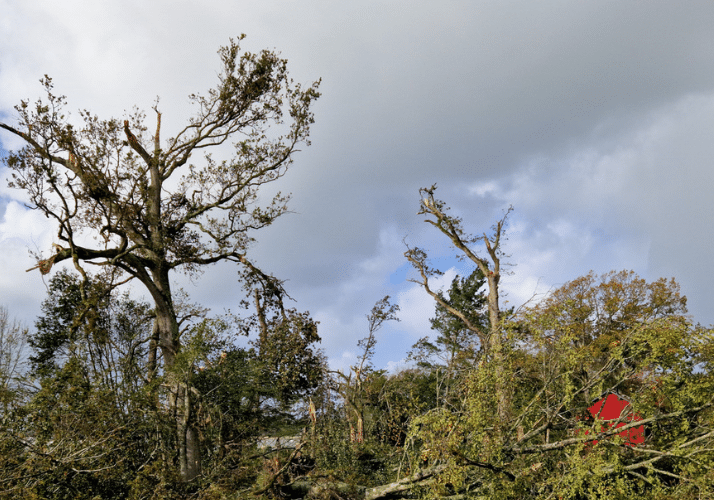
(403, 484)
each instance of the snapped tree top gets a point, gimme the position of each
(109, 179)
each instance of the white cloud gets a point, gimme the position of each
(28, 227)
(394, 367)
(416, 307)
(343, 362)
(483, 189)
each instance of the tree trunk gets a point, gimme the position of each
(495, 347)
(180, 404)
(153, 347)
(189, 450)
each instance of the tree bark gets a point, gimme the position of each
(166, 335)
(189, 450)
(495, 345)
(404, 484)
(180, 404)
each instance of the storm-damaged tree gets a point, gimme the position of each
(491, 338)
(491, 335)
(157, 207)
(351, 387)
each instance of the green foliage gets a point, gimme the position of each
(107, 330)
(54, 333)
(467, 296)
(96, 426)
(13, 339)
(398, 399)
(77, 442)
(290, 365)
(592, 337)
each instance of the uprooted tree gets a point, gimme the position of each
(156, 206)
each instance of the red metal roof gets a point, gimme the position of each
(612, 407)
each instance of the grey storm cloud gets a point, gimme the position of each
(592, 118)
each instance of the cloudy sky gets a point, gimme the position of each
(594, 119)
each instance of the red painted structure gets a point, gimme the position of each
(611, 408)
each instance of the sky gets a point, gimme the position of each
(593, 119)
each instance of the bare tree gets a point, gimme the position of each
(110, 180)
(491, 340)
